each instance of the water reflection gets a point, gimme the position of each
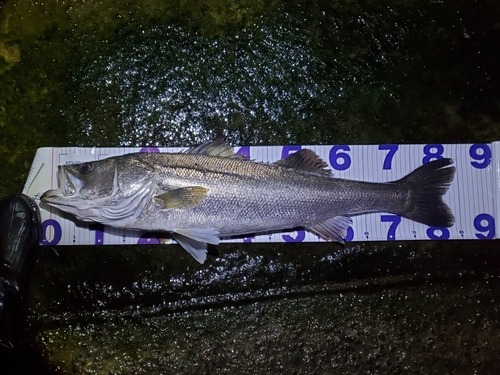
(170, 84)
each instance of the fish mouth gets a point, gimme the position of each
(68, 186)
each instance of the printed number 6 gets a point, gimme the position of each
(337, 154)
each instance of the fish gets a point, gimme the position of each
(208, 193)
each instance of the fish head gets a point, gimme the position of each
(111, 191)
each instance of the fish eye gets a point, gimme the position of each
(86, 168)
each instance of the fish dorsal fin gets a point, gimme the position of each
(185, 197)
(218, 147)
(305, 160)
(334, 229)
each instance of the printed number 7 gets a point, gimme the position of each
(388, 158)
(395, 220)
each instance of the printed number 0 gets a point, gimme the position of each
(337, 154)
(57, 232)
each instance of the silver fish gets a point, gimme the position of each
(208, 193)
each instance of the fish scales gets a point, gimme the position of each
(243, 194)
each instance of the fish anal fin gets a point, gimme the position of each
(185, 197)
(305, 160)
(334, 229)
(217, 147)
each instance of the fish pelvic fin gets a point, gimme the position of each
(185, 197)
(305, 160)
(194, 241)
(334, 229)
(427, 185)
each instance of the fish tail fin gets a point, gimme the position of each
(427, 185)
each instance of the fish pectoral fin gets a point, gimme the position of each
(194, 241)
(184, 197)
(305, 160)
(334, 229)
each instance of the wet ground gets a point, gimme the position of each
(156, 73)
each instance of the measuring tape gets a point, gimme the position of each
(473, 196)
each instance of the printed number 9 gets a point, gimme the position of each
(481, 153)
(488, 228)
(337, 154)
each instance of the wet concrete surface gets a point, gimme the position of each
(409, 309)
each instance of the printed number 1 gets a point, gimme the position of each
(99, 233)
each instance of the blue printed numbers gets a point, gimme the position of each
(288, 150)
(57, 235)
(432, 152)
(99, 233)
(149, 238)
(480, 153)
(390, 155)
(339, 158)
(394, 220)
(485, 225)
(301, 235)
(244, 151)
(350, 234)
(435, 233)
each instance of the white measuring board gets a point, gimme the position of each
(473, 196)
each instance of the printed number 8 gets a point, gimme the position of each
(432, 151)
